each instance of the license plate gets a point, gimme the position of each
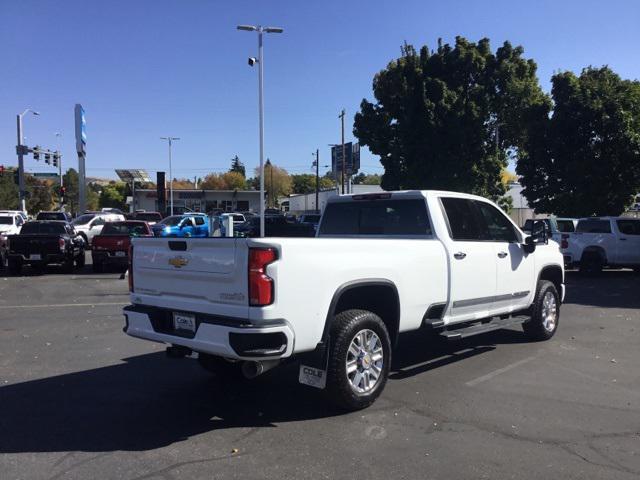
(120, 254)
(184, 321)
(314, 377)
(35, 256)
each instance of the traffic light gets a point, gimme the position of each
(63, 190)
(47, 158)
(56, 158)
(16, 176)
(36, 152)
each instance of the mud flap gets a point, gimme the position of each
(313, 368)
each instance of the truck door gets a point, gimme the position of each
(472, 261)
(628, 241)
(515, 270)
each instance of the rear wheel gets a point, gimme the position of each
(545, 312)
(3, 260)
(80, 260)
(15, 266)
(359, 359)
(591, 263)
(67, 265)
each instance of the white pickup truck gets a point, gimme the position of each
(381, 264)
(603, 242)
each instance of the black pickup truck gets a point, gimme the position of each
(40, 243)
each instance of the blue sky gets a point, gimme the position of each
(149, 68)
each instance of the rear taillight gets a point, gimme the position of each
(260, 284)
(131, 268)
(62, 244)
(564, 241)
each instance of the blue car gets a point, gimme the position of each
(182, 226)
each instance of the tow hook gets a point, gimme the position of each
(178, 351)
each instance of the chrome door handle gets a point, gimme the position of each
(460, 255)
(502, 254)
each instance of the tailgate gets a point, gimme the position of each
(207, 275)
(111, 242)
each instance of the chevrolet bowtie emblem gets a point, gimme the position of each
(178, 262)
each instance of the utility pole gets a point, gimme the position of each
(170, 141)
(252, 61)
(341, 117)
(317, 177)
(20, 150)
(58, 135)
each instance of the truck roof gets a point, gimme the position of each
(403, 194)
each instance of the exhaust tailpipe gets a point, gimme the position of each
(253, 369)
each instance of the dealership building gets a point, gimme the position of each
(200, 200)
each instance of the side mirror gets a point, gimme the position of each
(538, 236)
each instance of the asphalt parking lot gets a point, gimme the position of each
(79, 399)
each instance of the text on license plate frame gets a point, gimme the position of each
(185, 322)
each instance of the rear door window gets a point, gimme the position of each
(463, 219)
(388, 217)
(566, 226)
(594, 225)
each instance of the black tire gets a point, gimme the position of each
(67, 265)
(97, 267)
(221, 368)
(591, 263)
(80, 260)
(539, 326)
(344, 329)
(15, 266)
(3, 261)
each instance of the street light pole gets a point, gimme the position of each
(317, 177)
(170, 141)
(21, 186)
(260, 29)
(341, 117)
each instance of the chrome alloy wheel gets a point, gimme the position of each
(365, 360)
(549, 312)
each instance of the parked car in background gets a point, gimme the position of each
(274, 226)
(10, 223)
(238, 218)
(190, 225)
(43, 242)
(89, 225)
(54, 215)
(556, 226)
(150, 217)
(4, 252)
(111, 247)
(600, 242)
(311, 219)
(381, 264)
(24, 215)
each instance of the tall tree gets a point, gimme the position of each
(364, 179)
(584, 158)
(277, 182)
(237, 166)
(437, 114)
(8, 191)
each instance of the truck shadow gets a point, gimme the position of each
(610, 289)
(150, 401)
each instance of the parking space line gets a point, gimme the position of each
(63, 305)
(499, 371)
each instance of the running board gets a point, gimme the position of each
(478, 328)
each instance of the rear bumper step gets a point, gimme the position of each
(479, 328)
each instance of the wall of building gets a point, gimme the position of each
(202, 200)
(306, 202)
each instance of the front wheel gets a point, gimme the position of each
(15, 266)
(359, 359)
(80, 260)
(545, 312)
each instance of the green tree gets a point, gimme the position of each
(364, 179)
(277, 182)
(40, 194)
(113, 196)
(8, 191)
(584, 158)
(303, 183)
(237, 166)
(437, 113)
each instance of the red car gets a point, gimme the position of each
(111, 247)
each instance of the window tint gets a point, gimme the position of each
(566, 226)
(629, 227)
(199, 220)
(463, 219)
(376, 217)
(6, 220)
(187, 223)
(98, 221)
(125, 228)
(593, 225)
(498, 226)
(37, 228)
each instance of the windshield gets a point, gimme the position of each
(50, 216)
(45, 228)
(172, 221)
(148, 217)
(132, 229)
(6, 220)
(83, 219)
